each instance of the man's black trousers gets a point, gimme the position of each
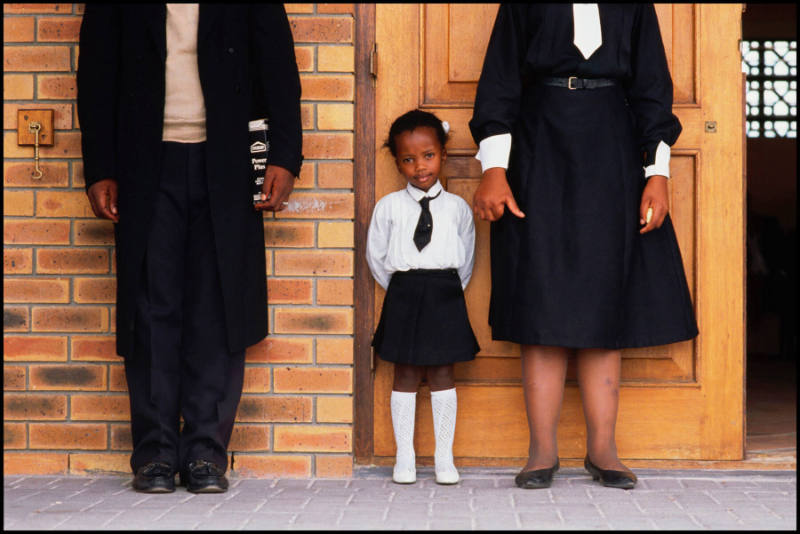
(181, 365)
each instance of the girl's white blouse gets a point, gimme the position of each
(390, 238)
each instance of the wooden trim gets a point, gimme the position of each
(364, 185)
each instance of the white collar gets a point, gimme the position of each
(417, 194)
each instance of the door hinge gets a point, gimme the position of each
(373, 61)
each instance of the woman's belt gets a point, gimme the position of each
(573, 82)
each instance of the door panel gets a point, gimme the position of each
(683, 400)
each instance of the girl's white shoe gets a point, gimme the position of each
(404, 406)
(444, 405)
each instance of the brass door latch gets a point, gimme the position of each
(35, 128)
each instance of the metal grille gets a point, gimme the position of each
(771, 69)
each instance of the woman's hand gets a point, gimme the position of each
(278, 185)
(103, 198)
(656, 197)
(493, 196)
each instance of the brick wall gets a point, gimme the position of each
(65, 402)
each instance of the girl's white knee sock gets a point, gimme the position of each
(403, 412)
(444, 405)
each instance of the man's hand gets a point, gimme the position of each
(656, 197)
(278, 185)
(103, 198)
(493, 196)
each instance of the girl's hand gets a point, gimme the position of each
(493, 196)
(656, 197)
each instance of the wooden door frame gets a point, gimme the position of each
(364, 190)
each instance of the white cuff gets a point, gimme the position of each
(494, 151)
(661, 164)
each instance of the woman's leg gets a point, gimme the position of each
(598, 378)
(544, 370)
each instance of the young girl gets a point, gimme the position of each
(420, 248)
(572, 98)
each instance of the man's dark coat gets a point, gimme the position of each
(247, 67)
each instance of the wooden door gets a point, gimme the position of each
(682, 401)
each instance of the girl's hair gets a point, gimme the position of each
(409, 121)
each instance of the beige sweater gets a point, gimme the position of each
(184, 107)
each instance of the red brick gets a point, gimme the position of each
(249, 438)
(37, 8)
(288, 234)
(67, 377)
(272, 466)
(336, 235)
(20, 174)
(17, 86)
(70, 319)
(41, 290)
(256, 380)
(33, 406)
(95, 290)
(336, 58)
(328, 145)
(121, 439)
(36, 58)
(304, 55)
(335, 8)
(299, 8)
(15, 436)
(319, 206)
(327, 438)
(306, 178)
(63, 204)
(307, 116)
(94, 232)
(36, 232)
(18, 29)
(15, 319)
(116, 378)
(335, 350)
(18, 203)
(313, 380)
(35, 348)
(17, 260)
(34, 463)
(327, 87)
(289, 291)
(334, 410)
(335, 116)
(99, 463)
(67, 436)
(322, 29)
(62, 120)
(334, 466)
(335, 292)
(72, 261)
(318, 263)
(68, 145)
(258, 409)
(78, 180)
(94, 348)
(56, 86)
(59, 29)
(13, 377)
(99, 407)
(281, 350)
(314, 321)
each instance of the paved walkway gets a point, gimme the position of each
(484, 499)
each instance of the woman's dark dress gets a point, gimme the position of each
(575, 272)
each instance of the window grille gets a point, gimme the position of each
(771, 100)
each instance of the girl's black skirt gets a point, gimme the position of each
(424, 320)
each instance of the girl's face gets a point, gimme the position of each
(420, 156)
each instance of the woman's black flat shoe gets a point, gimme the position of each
(610, 478)
(540, 478)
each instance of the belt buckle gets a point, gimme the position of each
(569, 83)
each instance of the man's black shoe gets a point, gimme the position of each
(204, 477)
(155, 477)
